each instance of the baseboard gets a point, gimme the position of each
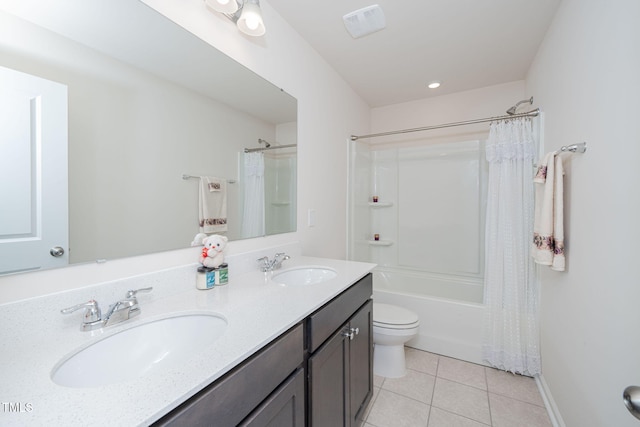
(549, 403)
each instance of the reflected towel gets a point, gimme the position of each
(548, 227)
(212, 206)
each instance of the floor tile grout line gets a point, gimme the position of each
(405, 396)
(464, 384)
(486, 391)
(462, 416)
(516, 399)
(433, 390)
(486, 383)
(366, 420)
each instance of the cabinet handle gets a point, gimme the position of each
(351, 332)
(348, 333)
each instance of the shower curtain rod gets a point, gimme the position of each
(273, 147)
(531, 113)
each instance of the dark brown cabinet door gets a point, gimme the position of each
(341, 374)
(327, 383)
(361, 363)
(284, 408)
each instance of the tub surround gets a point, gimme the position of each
(36, 337)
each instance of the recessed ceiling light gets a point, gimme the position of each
(434, 85)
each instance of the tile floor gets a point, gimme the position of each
(439, 391)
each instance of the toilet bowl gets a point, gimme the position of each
(393, 326)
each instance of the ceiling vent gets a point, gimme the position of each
(364, 21)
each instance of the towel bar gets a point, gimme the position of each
(575, 148)
(185, 177)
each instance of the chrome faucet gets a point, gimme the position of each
(92, 318)
(124, 309)
(118, 312)
(274, 264)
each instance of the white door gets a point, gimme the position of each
(33, 173)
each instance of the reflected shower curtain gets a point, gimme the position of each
(511, 339)
(253, 211)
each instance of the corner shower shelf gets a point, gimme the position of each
(380, 204)
(380, 242)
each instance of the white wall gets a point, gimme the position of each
(586, 79)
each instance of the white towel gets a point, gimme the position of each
(212, 212)
(548, 227)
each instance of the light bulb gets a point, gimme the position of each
(252, 22)
(223, 6)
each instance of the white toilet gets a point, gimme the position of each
(393, 326)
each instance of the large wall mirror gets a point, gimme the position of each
(150, 109)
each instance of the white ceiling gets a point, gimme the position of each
(466, 44)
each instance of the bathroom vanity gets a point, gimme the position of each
(329, 354)
(287, 354)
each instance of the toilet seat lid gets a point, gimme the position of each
(392, 315)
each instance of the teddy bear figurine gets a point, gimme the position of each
(213, 252)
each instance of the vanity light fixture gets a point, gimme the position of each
(245, 13)
(434, 85)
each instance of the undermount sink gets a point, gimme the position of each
(308, 275)
(135, 352)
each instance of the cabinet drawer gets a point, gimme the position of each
(229, 400)
(324, 322)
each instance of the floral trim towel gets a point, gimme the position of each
(212, 206)
(548, 227)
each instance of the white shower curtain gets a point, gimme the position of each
(511, 340)
(253, 211)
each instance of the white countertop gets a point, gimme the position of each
(34, 337)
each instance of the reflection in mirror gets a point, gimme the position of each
(270, 190)
(144, 109)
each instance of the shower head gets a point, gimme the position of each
(262, 141)
(511, 111)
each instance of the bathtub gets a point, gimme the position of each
(450, 310)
